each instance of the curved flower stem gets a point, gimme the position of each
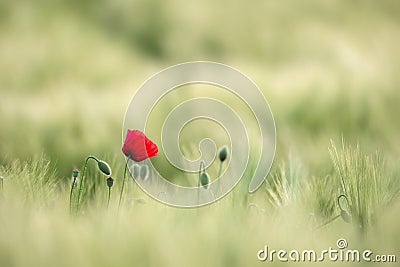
(82, 180)
(109, 195)
(338, 201)
(201, 170)
(327, 222)
(70, 194)
(123, 182)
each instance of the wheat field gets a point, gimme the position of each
(329, 71)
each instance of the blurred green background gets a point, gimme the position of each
(68, 69)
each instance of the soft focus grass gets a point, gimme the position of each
(67, 72)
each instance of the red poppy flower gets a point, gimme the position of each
(138, 147)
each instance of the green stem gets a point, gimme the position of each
(2, 186)
(83, 177)
(338, 201)
(202, 169)
(327, 222)
(198, 195)
(70, 195)
(109, 195)
(219, 176)
(123, 182)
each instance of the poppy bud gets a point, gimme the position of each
(75, 173)
(223, 153)
(205, 180)
(104, 167)
(345, 216)
(110, 182)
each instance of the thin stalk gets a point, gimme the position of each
(109, 195)
(219, 176)
(82, 180)
(2, 186)
(123, 182)
(202, 169)
(327, 222)
(70, 194)
(198, 191)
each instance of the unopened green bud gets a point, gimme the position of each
(104, 167)
(223, 153)
(345, 216)
(205, 180)
(110, 182)
(75, 173)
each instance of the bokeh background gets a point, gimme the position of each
(68, 69)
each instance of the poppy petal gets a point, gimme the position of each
(138, 147)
